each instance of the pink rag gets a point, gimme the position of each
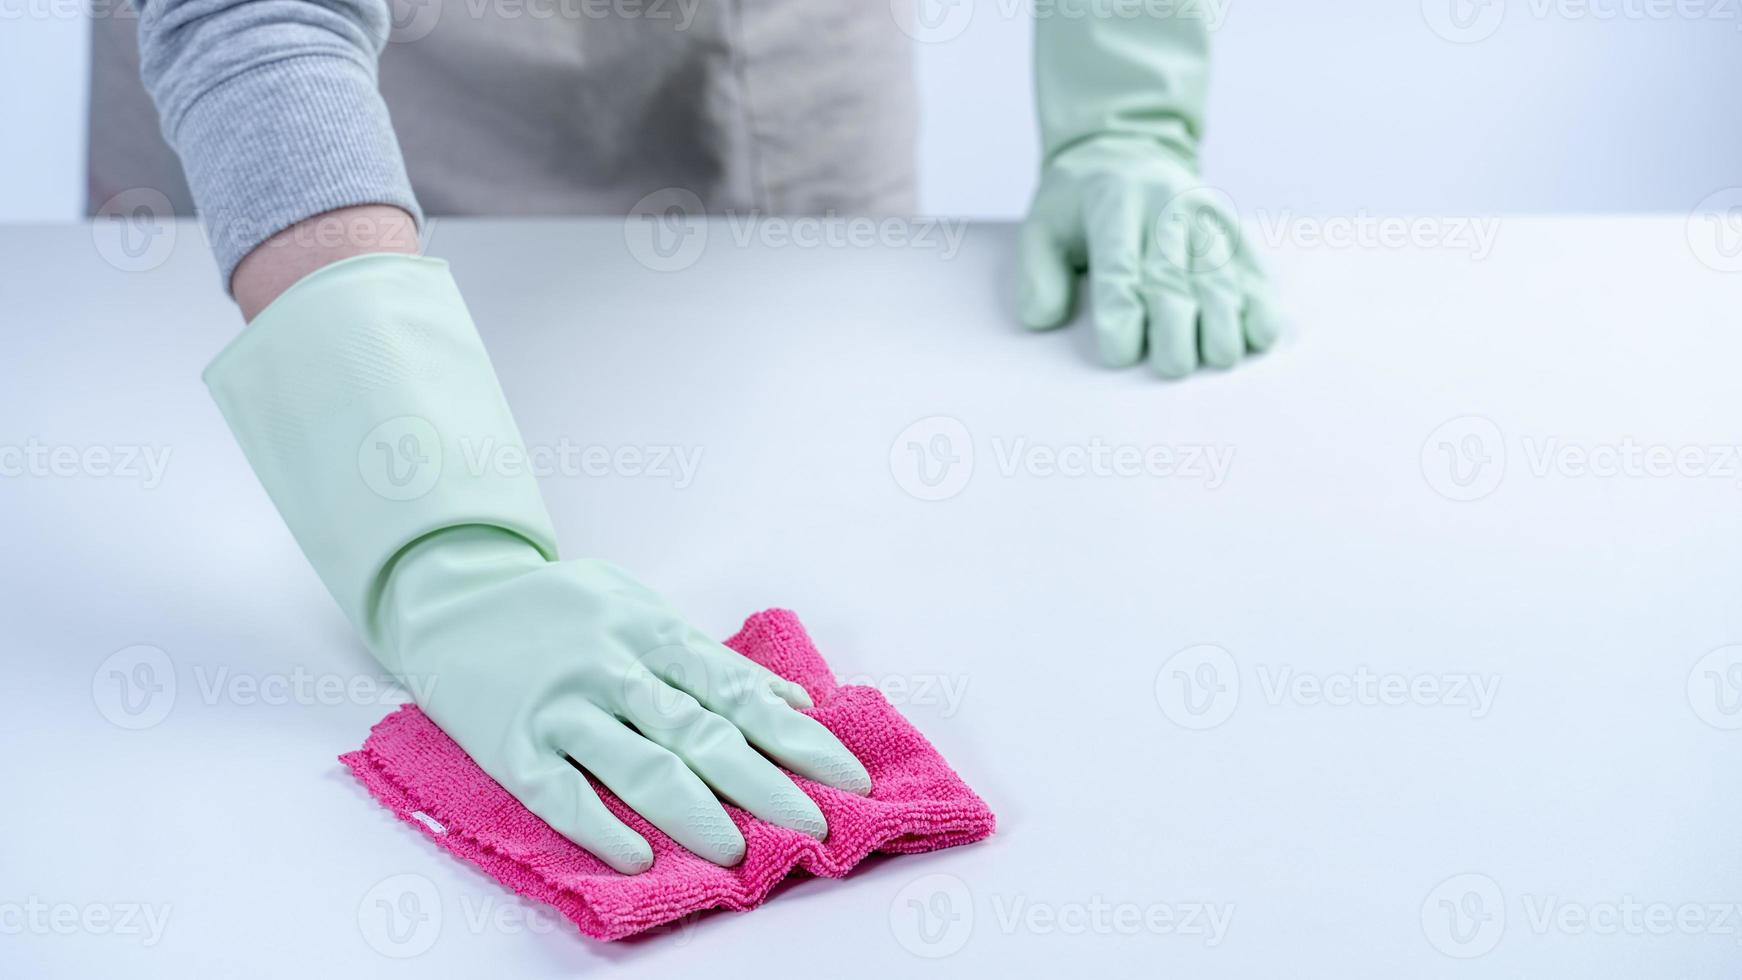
(917, 803)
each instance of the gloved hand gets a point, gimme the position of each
(369, 410)
(535, 663)
(1121, 108)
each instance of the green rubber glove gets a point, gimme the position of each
(1121, 96)
(367, 406)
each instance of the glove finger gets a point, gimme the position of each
(800, 743)
(1221, 340)
(1173, 332)
(679, 665)
(1260, 319)
(740, 691)
(1046, 283)
(1114, 213)
(656, 784)
(793, 694)
(1169, 304)
(562, 797)
(714, 749)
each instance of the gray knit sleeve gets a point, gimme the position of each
(273, 107)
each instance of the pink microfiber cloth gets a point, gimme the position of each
(917, 803)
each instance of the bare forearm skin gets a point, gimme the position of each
(275, 264)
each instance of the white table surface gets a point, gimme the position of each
(1579, 817)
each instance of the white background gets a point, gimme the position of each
(1317, 108)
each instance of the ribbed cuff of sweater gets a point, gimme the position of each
(286, 141)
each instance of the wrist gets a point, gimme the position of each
(1113, 145)
(279, 262)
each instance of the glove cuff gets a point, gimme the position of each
(1103, 70)
(367, 406)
